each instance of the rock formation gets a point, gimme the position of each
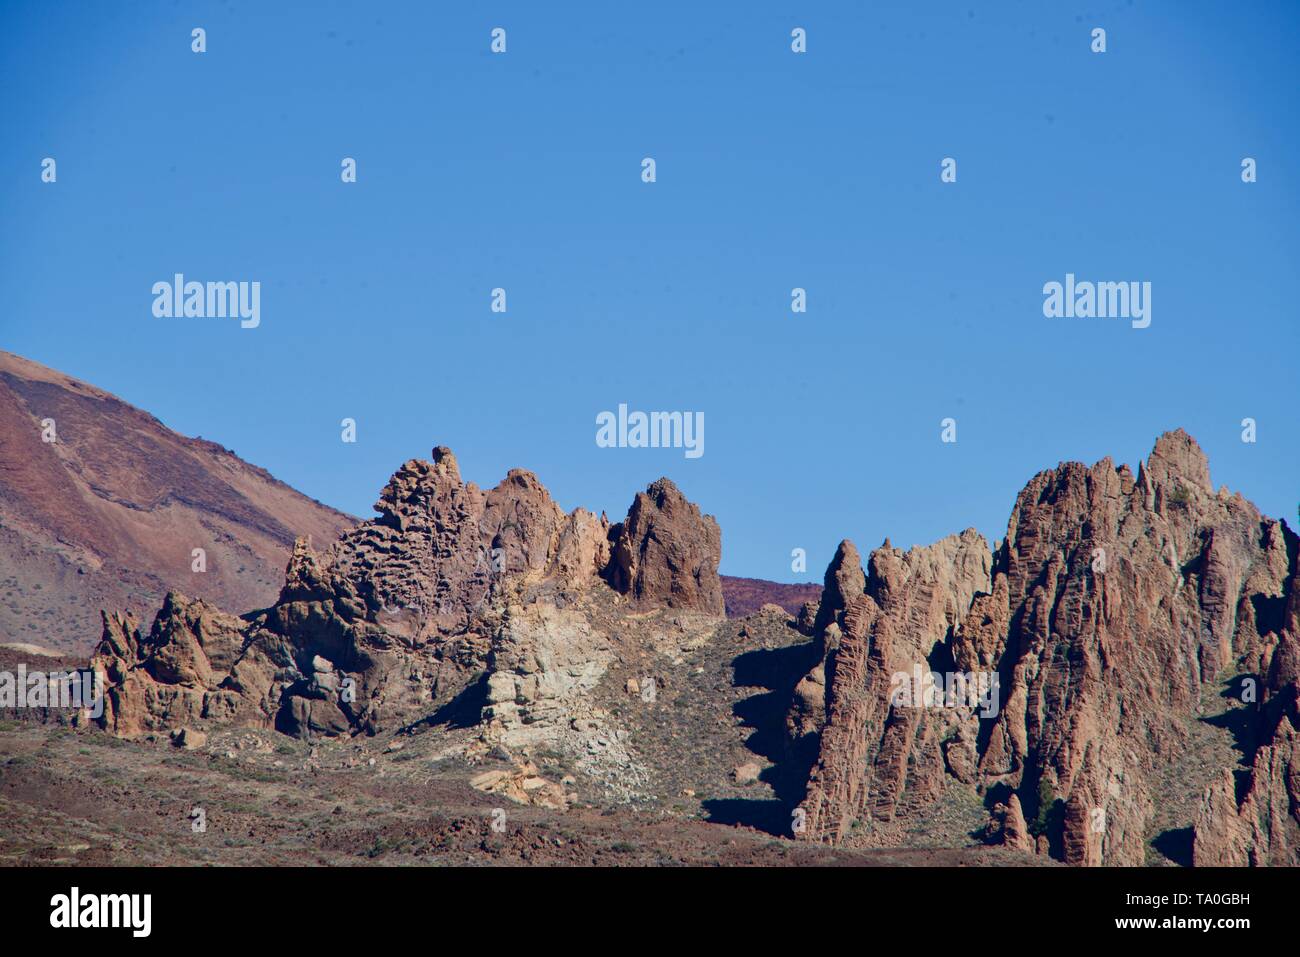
(1263, 828)
(872, 628)
(449, 593)
(1050, 694)
(1113, 609)
(666, 553)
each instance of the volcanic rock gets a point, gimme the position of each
(873, 628)
(1113, 607)
(449, 588)
(666, 553)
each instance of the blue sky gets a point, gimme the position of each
(775, 170)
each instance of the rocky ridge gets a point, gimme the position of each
(455, 604)
(1044, 694)
(1113, 609)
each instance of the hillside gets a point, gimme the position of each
(744, 596)
(108, 514)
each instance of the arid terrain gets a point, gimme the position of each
(107, 514)
(86, 797)
(476, 676)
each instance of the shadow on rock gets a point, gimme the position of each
(776, 671)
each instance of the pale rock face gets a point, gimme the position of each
(523, 784)
(547, 658)
(189, 739)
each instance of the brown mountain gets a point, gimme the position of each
(108, 514)
(744, 596)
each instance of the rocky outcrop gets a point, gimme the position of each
(666, 552)
(806, 716)
(523, 784)
(450, 588)
(1050, 693)
(883, 737)
(1114, 607)
(1007, 826)
(189, 668)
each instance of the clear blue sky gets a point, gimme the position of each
(775, 170)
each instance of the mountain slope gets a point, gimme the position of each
(744, 596)
(108, 514)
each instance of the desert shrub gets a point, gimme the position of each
(1046, 798)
